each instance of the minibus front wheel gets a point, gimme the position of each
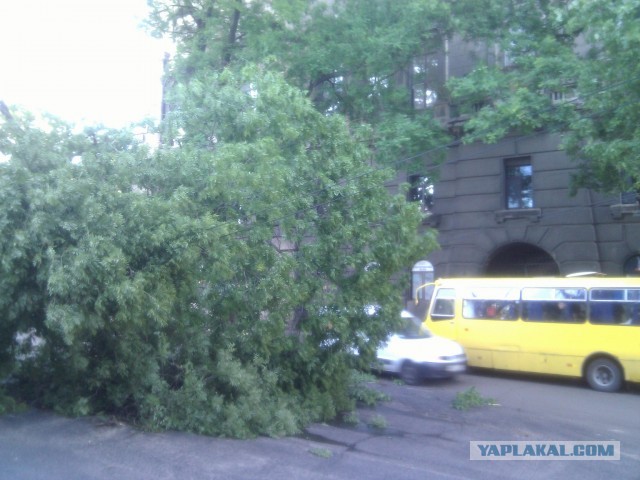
(604, 375)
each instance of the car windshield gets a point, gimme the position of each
(412, 328)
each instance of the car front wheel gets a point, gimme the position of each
(409, 373)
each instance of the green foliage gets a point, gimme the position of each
(585, 50)
(362, 392)
(471, 398)
(350, 57)
(9, 404)
(217, 286)
(351, 418)
(321, 452)
(378, 422)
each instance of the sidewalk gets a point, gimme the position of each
(39, 445)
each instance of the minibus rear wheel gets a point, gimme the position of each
(604, 375)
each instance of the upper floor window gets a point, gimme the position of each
(519, 176)
(421, 190)
(629, 197)
(630, 194)
(426, 80)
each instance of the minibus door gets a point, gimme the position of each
(442, 319)
(489, 333)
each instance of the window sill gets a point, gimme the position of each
(624, 209)
(431, 220)
(531, 214)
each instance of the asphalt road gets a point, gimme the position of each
(418, 436)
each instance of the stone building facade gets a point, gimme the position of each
(506, 209)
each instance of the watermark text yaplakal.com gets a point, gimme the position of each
(544, 450)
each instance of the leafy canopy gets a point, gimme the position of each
(572, 69)
(350, 57)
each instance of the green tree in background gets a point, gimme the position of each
(350, 57)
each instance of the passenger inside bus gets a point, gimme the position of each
(552, 311)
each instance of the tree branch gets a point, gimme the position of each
(233, 31)
(4, 110)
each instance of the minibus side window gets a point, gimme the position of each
(614, 306)
(562, 305)
(443, 305)
(489, 309)
(491, 303)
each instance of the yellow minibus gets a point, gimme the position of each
(585, 327)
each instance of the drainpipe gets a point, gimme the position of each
(446, 59)
(595, 231)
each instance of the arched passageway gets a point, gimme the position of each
(521, 260)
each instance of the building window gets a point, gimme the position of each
(519, 175)
(427, 78)
(421, 190)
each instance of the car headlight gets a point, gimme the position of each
(452, 358)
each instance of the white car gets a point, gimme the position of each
(415, 354)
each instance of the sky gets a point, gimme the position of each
(85, 61)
